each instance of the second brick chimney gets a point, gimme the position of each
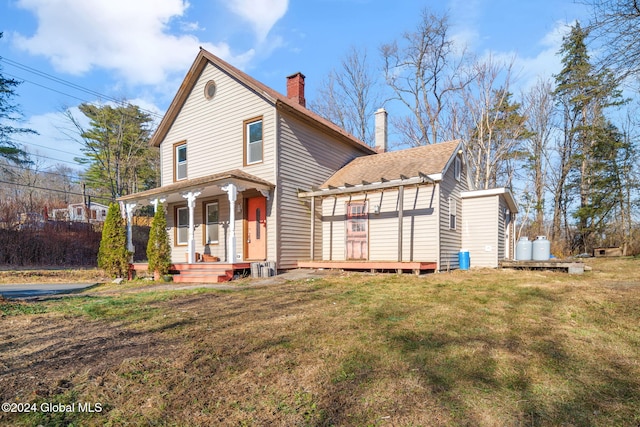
(295, 88)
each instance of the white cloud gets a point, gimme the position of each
(130, 37)
(547, 62)
(261, 14)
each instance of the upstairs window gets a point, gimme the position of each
(180, 161)
(457, 167)
(253, 141)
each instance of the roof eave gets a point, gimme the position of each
(363, 188)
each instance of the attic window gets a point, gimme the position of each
(457, 167)
(210, 90)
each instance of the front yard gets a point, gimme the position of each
(477, 348)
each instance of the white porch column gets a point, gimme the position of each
(191, 244)
(232, 193)
(155, 202)
(129, 209)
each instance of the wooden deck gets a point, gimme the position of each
(415, 267)
(201, 272)
(572, 267)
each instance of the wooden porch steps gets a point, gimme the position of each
(205, 272)
(201, 272)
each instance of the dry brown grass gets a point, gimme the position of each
(51, 275)
(478, 348)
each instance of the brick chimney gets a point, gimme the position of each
(295, 88)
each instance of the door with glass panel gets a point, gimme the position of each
(256, 229)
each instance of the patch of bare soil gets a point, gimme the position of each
(44, 355)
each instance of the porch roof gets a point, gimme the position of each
(173, 192)
(417, 165)
(427, 160)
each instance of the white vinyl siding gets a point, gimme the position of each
(480, 230)
(307, 158)
(214, 129)
(419, 225)
(215, 132)
(451, 238)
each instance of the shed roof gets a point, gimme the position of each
(393, 165)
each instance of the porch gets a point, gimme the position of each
(415, 267)
(219, 217)
(201, 272)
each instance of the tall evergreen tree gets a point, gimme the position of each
(583, 93)
(116, 149)
(113, 256)
(158, 247)
(9, 116)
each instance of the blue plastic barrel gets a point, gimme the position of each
(464, 260)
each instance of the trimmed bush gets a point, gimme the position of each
(158, 248)
(113, 256)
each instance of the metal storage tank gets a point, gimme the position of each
(541, 249)
(524, 249)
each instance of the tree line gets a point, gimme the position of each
(567, 145)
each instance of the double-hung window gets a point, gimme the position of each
(253, 141)
(453, 207)
(182, 226)
(212, 212)
(180, 161)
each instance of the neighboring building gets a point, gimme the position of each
(243, 168)
(78, 212)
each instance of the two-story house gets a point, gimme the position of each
(234, 154)
(249, 174)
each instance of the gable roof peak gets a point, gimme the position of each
(281, 102)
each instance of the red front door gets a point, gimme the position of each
(256, 231)
(357, 231)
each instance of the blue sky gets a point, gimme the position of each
(69, 51)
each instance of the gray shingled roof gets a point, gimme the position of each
(428, 160)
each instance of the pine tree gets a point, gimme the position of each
(9, 115)
(113, 256)
(158, 248)
(584, 93)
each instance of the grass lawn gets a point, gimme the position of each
(476, 348)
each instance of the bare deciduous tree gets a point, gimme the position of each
(424, 71)
(494, 127)
(349, 96)
(615, 25)
(540, 112)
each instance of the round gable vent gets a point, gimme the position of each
(210, 89)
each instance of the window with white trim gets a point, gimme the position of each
(457, 167)
(182, 226)
(212, 228)
(453, 207)
(180, 156)
(253, 142)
